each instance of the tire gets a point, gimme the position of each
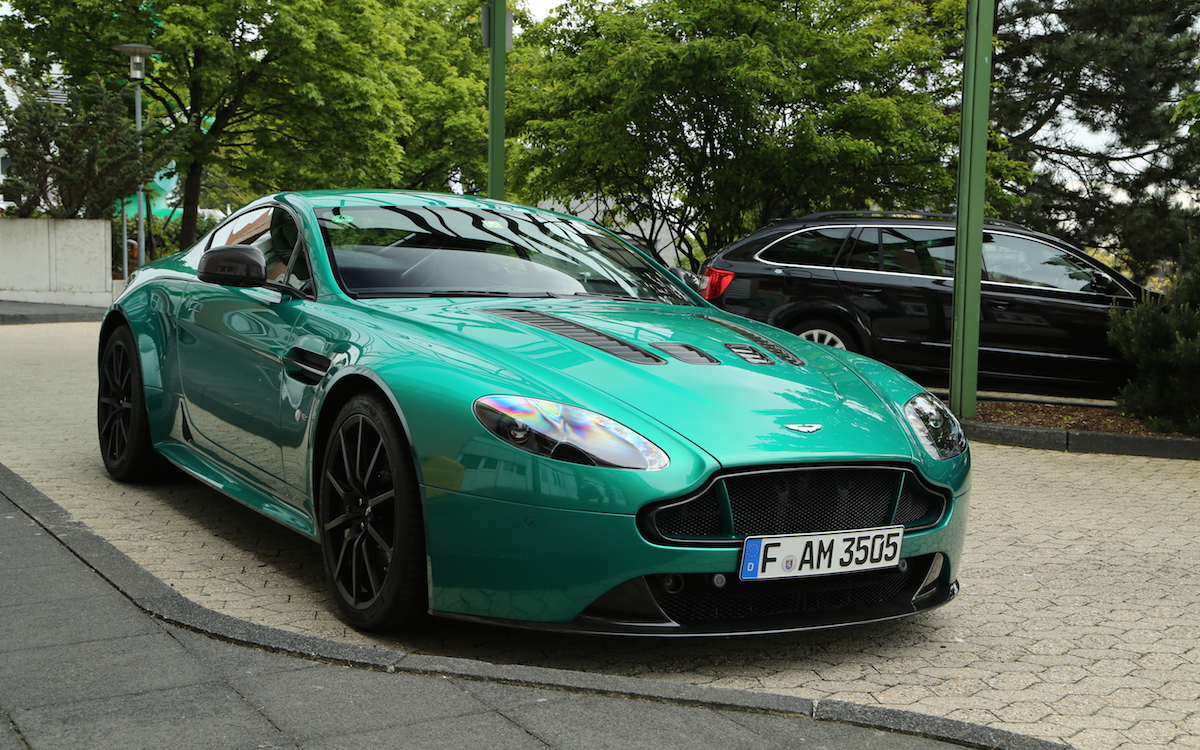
(828, 333)
(372, 535)
(121, 420)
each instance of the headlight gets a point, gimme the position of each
(567, 433)
(936, 426)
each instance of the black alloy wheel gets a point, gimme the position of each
(372, 536)
(122, 422)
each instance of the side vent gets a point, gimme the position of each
(581, 333)
(306, 366)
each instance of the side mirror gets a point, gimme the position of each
(691, 278)
(233, 265)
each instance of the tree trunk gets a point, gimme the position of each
(191, 204)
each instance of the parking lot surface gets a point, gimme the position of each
(1078, 621)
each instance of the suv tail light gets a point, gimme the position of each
(715, 283)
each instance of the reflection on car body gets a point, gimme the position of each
(493, 412)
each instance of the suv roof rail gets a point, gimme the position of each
(895, 215)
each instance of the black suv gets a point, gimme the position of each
(881, 284)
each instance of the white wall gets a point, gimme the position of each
(63, 261)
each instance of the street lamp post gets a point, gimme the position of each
(972, 181)
(497, 37)
(137, 73)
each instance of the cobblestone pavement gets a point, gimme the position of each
(1079, 620)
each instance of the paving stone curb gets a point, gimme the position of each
(1078, 441)
(161, 601)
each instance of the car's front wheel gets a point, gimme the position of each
(372, 536)
(828, 333)
(121, 418)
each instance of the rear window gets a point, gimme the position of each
(808, 247)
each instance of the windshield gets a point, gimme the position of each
(394, 251)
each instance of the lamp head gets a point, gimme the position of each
(137, 58)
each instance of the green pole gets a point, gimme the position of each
(497, 39)
(972, 167)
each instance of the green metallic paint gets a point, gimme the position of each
(510, 535)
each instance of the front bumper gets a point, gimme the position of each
(595, 572)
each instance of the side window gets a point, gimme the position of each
(927, 252)
(273, 231)
(299, 275)
(811, 247)
(1017, 260)
(243, 230)
(863, 252)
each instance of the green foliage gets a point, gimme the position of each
(712, 118)
(1085, 94)
(273, 95)
(77, 158)
(448, 102)
(1162, 337)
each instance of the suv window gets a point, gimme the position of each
(1016, 260)
(927, 252)
(810, 247)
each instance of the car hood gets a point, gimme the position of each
(745, 393)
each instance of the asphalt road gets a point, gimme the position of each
(1078, 622)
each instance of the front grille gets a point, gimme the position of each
(695, 601)
(917, 509)
(796, 501)
(800, 502)
(698, 517)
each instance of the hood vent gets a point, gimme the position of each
(687, 353)
(780, 353)
(581, 333)
(750, 354)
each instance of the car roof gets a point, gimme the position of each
(888, 217)
(404, 198)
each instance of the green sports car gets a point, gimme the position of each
(492, 412)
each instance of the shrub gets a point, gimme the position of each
(1161, 336)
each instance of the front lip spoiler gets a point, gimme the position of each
(864, 615)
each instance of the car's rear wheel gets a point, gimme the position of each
(829, 333)
(372, 536)
(121, 418)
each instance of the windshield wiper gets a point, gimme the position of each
(601, 295)
(362, 293)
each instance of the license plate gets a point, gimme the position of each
(800, 555)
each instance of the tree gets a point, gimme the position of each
(1161, 335)
(74, 152)
(427, 129)
(447, 145)
(713, 117)
(1085, 94)
(308, 93)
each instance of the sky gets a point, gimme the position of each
(541, 8)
